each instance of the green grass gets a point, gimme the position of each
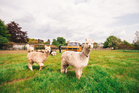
(108, 71)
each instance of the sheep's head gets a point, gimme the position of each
(88, 44)
(47, 49)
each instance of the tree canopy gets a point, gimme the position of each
(136, 40)
(4, 36)
(17, 35)
(55, 42)
(60, 40)
(112, 41)
(32, 41)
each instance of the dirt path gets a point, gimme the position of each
(12, 51)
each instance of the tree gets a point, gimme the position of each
(2, 41)
(125, 45)
(55, 42)
(61, 40)
(136, 40)
(49, 41)
(112, 41)
(95, 45)
(32, 41)
(4, 36)
(17, 35)
(3, 30)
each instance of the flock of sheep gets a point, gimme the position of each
(69, 58)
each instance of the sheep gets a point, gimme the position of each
(53, 53)
(29, 48)
(76, 59)
(38, 57)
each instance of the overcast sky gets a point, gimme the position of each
(73, 19)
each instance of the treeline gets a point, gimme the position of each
(117, 43)
(12, 33)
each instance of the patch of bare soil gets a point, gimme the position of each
(18, 80)
(12, 51)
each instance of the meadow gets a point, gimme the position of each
(108, 71)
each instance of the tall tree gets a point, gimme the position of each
(112, 41)
(55, 42)
(4, 36)
(136, 40)
(3, 30)
(17, 35)
(48, 41)
(61, 40)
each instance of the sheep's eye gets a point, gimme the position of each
(86, 43)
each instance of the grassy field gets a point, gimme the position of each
(107, 72)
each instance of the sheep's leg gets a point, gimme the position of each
(62, 68)
(65, 69)
(30, 65)
(41, 65)
(78, 72)
(81, 71)
(63, 65)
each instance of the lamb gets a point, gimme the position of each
(38, 57)
(76, 59)
(29, 48)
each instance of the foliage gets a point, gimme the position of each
(60, 40)
(95, 45)
(17, 35)
(4, 36)
(3, 30)
(55, 42)
(2, 41)
(125, 45)
(47, 42)
(112, 41)
(32, 41)
(136, 40)
(106, 72)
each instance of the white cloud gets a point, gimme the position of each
(71, 19)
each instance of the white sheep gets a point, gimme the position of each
(76, 59)
(29, 48)
(38, 57)
(53, 53)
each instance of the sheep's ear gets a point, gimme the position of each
(85, 39)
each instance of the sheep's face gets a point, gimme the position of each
(88, 44)
(47, 49)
